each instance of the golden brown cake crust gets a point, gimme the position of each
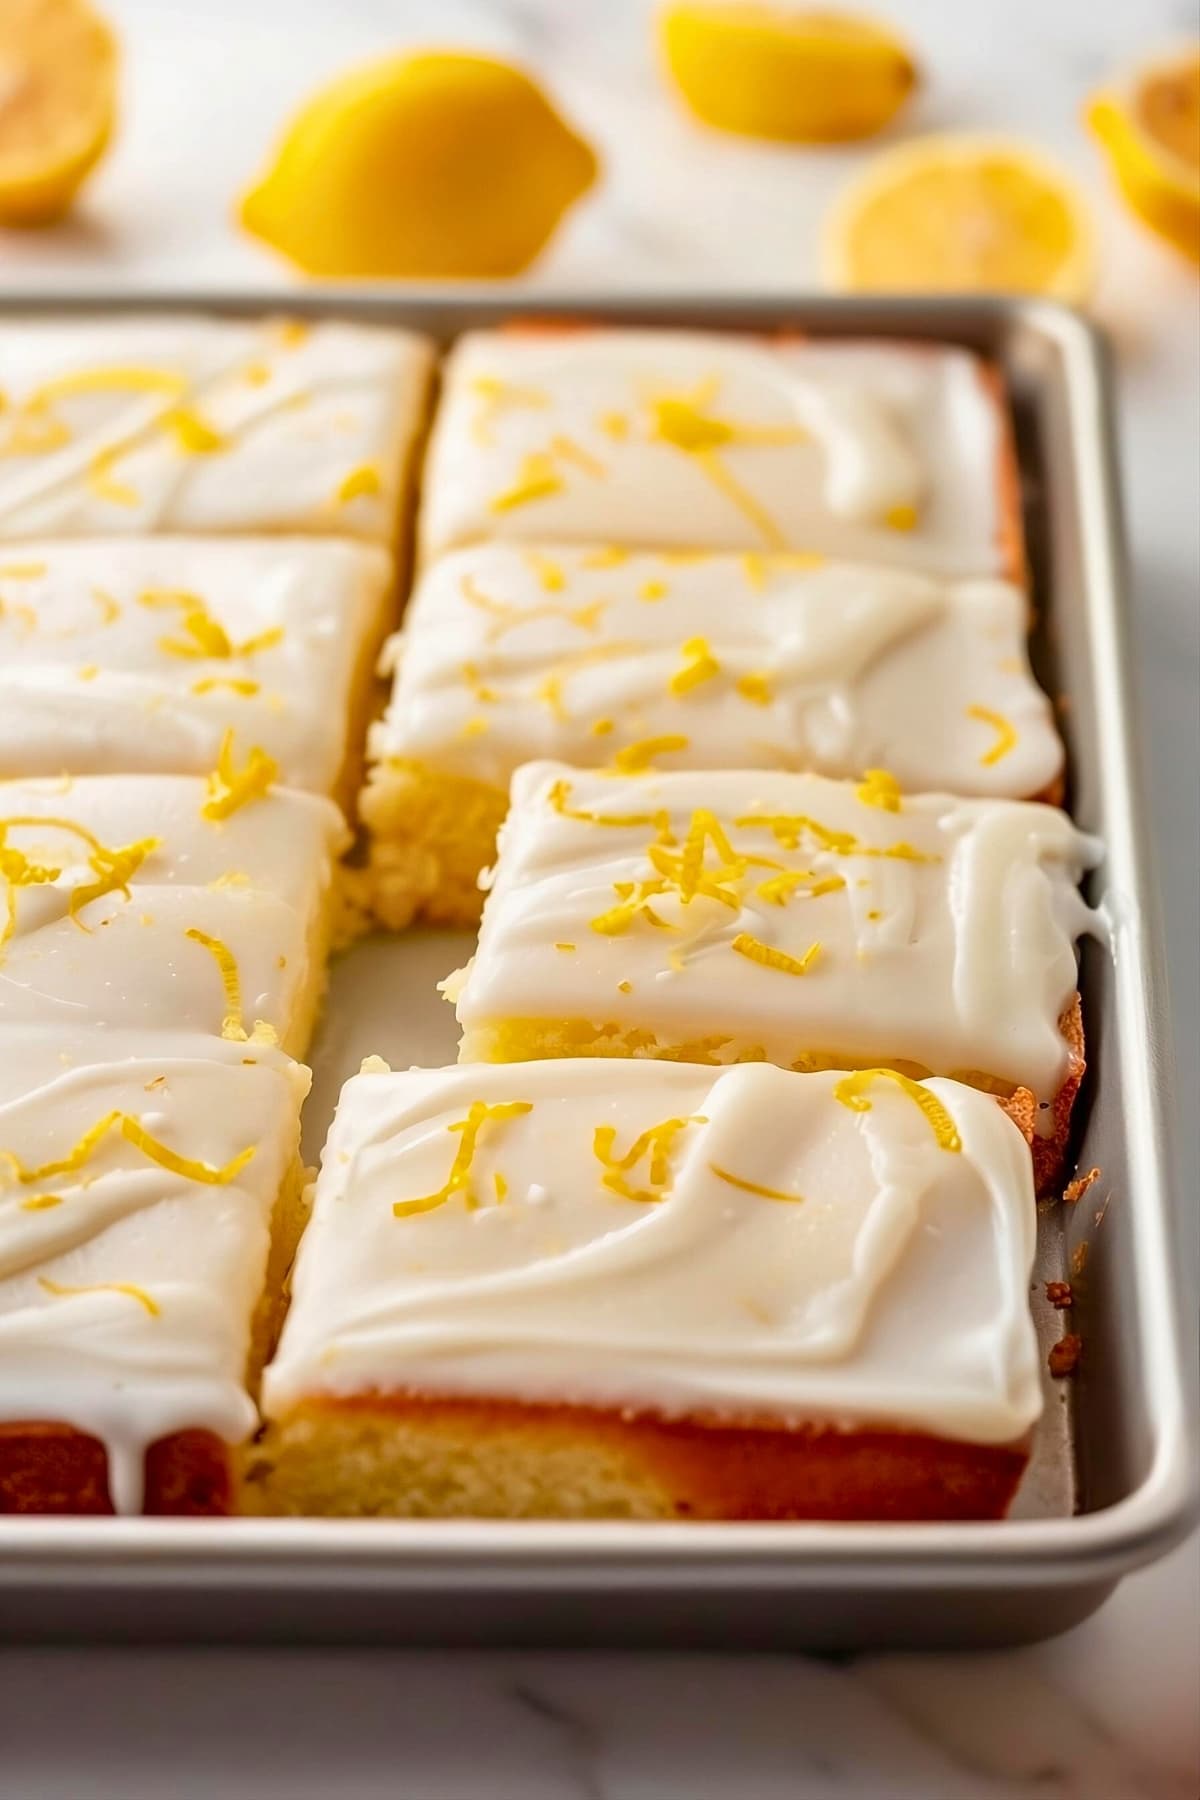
(52, 1468)
(653, 1467)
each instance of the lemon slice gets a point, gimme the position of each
(961, 214)
(1150, 129)
(429, 165)
(775, 72)
(58, 65)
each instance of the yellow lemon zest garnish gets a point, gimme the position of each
(878, 788)
(40, 1202)
(901, 518)
(559, 798)
(699, 665)
(756, 951)
(755, 686)
(537, 479)
(115, 379)
(1006, 735)
(605, 556)
(134, 1133)
(851, 1091)
(752, 1187)
(602, 727)
(22, 571)
(569, 451)
(703, 829)
(652, 590)
(230, 787)
(635, 758)
(657, 1142)
(62, 1289)
(614, 425)
(495, 396)
(508, 616)
(624, 987)
(549, 692)
(193, 435)
(110, 609)
(778, 889)
(549, 573)
(458, 1181)
(486, 696)
(687, 423)
(232, 1026)
(500, 1185)
(789, 828)
(100, 479)
(89, 671)
(564, 946)
(475, 727)
(232, 683)
(363, 481)
(115, 869)
(633, 901)
(899, 852)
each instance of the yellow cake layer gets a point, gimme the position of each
(431, 835)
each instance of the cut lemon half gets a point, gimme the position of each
(784, 73)
(961, 214)
(58, 67)
(1150, 130)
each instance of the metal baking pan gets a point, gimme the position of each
(1111, 1482)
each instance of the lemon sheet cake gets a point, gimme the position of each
(139, 654)
(167, 903)
(897, 453)
(732, 915)
(511, 653)
(618, 1289)
(119, 425)
(139, 1182)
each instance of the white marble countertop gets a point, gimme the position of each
(1108, 1712)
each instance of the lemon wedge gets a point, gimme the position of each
(435, 164)
(961, 214)
(775, 72)
(58, 67)
(1150, 129)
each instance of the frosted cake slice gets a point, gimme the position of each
(730, 916)
(648, 1290)
(162, 902)
(121, 424)
(873, 451)
(515, 652)
(140, 1179)
(139, 654)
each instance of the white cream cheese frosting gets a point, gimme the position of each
(119, 656)
(118, 425)
(739, 1242)
(137, 1180)
(862, 450)
(784, 916)
(512, 652)
(123, 904)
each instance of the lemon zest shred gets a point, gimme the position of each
(193, 435)
(652, 590)
(879, 788)
(479, 1115)
(851, 1091)
(22, 571)
(752, 1187)
(229, 787)
(755, 686)
(699, 665)
(232, 1026)
(756, 951)
(64, 1290)
(114, 870)
(901, 518)
(233, 684)
(133, 1131)
(102, 483)
(40, 1202)
(550, 574)
(657, 1143)
(537, 479)
(637, 757)
(789, 828)
(559, 799)
(362, 482)
(1006, 734)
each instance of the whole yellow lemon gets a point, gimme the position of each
(427, 165)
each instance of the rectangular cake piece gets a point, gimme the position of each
(730, 916)
(140, 1179)
(513, 652)
(572, 1289)
(875, 451)
(163, 902)
(137, 655)
(119, 425)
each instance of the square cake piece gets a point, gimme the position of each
(167, 903)
(732, 916)
(140, 1179)
(137, 655)
(119, 425)
(592, 1290)
(874, 451)
(511, 653)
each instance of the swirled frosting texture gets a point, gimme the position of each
(784, 915)
(737, 1242)
(514, 652)
(868, 451)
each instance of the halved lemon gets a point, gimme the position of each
(1150, 128)
(782, 72)
(961, 214)
(58, 69)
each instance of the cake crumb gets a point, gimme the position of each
(1059, 1294)
(1075, 1190)
(1064, 1356)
